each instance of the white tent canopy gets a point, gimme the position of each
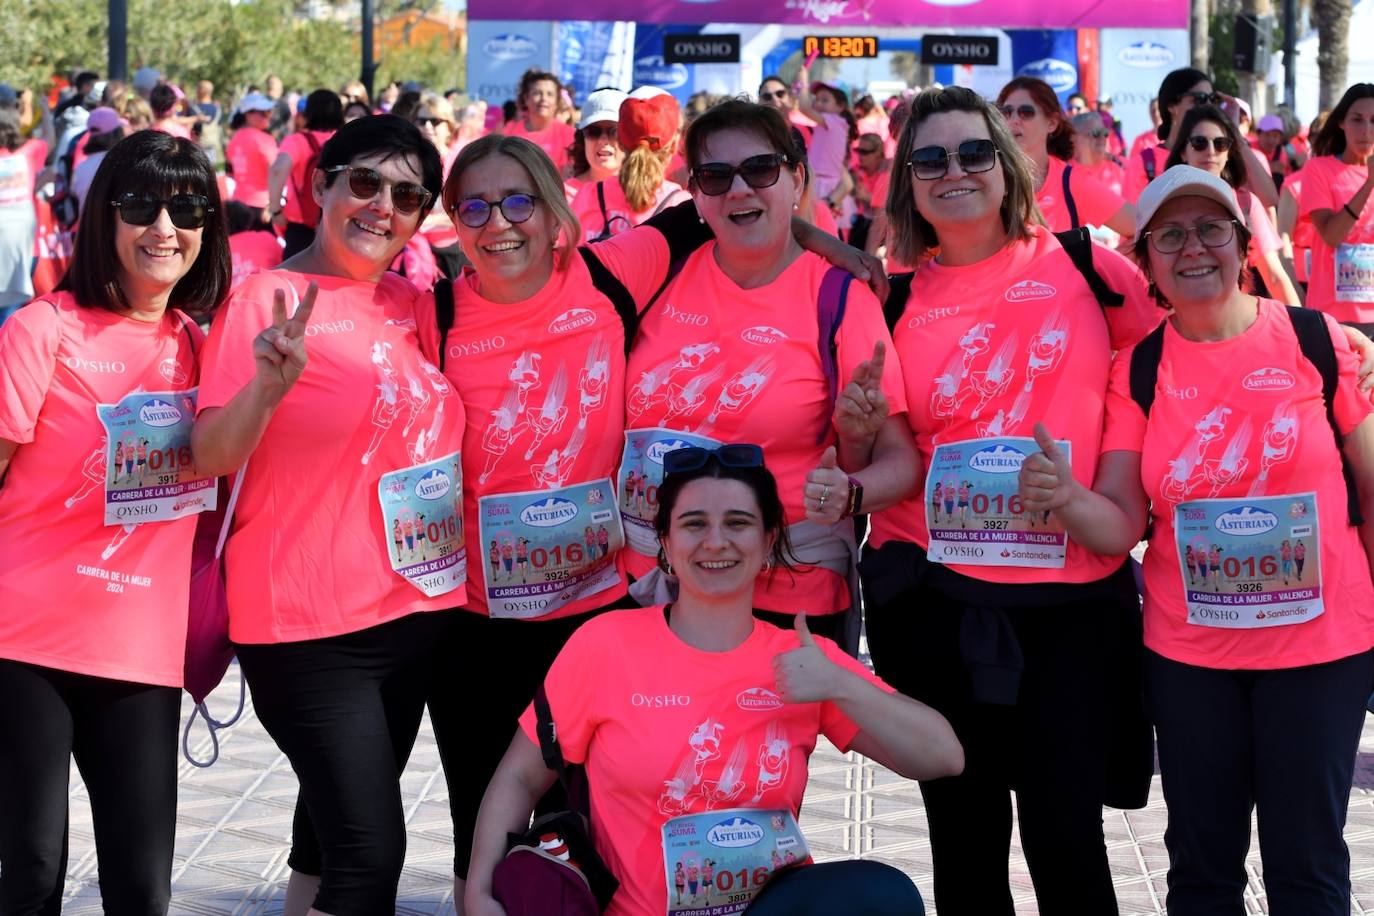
(1361, 68)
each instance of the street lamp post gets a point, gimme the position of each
(369, 62)
(119, 40)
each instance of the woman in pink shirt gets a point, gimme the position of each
(335, 634)
(691, 681)
(251, 152)
(93, 631)
(1257, 687)
(538, 121)
(290, 176)
(595, 153)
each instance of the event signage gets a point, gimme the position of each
(697, 48)
(840, 46)
(959, 49)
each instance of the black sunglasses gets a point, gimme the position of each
(1024, 112)
(431, 122)
(187, 211)
(865, 151)
(1199, 143)
(1205, 98)
(932, 162)
(365, 183)
(778, 94)
(694, 458)
(594, 132)
(716, 178)
(474, 212)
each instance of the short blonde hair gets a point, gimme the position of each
(439, 107)
(913, 237)
(548, 185)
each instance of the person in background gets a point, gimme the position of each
(827, 151)
(145, 80)
(275, 90)
(1076, 104)
(434, 117)
(106, 128)
(354, 110)
(1116, 143)
(774, 93)
(251, 152)
(1283, 157)
(354, 91)
(1147, 139)
(471, 124)
(251, 247)
(1090, 151)
(870, 193)
(291, 174)
(165, 107)
(538, 121)
(18, 220)
(869, 117)
(595, 151)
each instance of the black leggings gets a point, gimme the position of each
(345, 710)
(124, 739)
(855, 887)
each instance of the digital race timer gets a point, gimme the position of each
(840, 46)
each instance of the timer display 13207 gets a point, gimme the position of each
(840, 46)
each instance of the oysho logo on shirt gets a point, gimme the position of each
(571, 320)
(660, 700)
(171, 370)
(693, 319)
(757, 699)
(762, 335)
(329, 327)
(474, 347)
(91, 365)
(1268, 379)
(1029, 289)
(934, 314)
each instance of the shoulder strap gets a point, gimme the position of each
(548, 734)
(609, 285)
(1145, 368)
(1079, 246)
(605, 217)
(899, 293)
(1068, 199)
(1315, 341)
(830, 308)
(443, 315)
(1147, 159)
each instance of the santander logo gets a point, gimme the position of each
(1268, 379)
(571, 320)
(758, 699)
(1030, 289)
(763, 335)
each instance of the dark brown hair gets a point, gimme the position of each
(1235, 172)
(1060, 140)
(771, 512)
(740, 114)
(1331, 139)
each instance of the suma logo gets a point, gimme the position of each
(1269, 378)
(762, 335)
(549, 513)
(1247, 521)
(1029, 289)
(997, 459)
(735, 833)
(158, 413)
(758, 699)
(571, 320)
(434, 485)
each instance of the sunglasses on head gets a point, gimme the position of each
(1199, 143)
(932, 162)
(595, 132)
(474, 212)
(1205, 98)
(694, 458)
(1024, 112)
(716, 178)
(366, 183)
(187, 211)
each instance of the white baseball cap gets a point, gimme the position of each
(1184, 181)
(601, 105)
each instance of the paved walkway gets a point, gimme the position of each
(234, 825)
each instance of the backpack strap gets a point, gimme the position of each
(830, 308)
(609, 285)
(443, 314)
(899, 292)
(605, 217)
(1068, 199)
(1147, 159)
(1078, 244)
(1145, 368)
(572, 777)
(1315, 341)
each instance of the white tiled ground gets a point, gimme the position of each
(234, 825)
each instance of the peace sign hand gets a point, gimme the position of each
(279, 350)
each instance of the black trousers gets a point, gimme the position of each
(345, 710)
(124, 739)
(1279, 742)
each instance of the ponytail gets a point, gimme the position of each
(642, 174)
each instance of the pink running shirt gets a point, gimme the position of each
(251, 153)
(252, 252)
(297, 146)
(1328, 184)
(1096, 202)
(587, 207)
(554, 139)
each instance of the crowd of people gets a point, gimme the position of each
(531, 422)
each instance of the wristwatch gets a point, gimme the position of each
(856, 497)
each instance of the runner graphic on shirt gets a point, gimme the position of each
(742, 388)
(729, 784)
(1221, 472)
(1043, 356)
(1278, 443)
(548, 419)
(654, 386)
(505, 426)
(593, 380)
(1188, 469)
(683, 400)
(772, 761)
(390, 395)
(994, 381)
(424, 442)
(93, 471)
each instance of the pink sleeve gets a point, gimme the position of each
(292, 146)
(1264, 238)
(28, 356)
(571, 689)
(1135, 180)
(863, 326)
(427, 326)
(1139, 315)
(1316, 190)
(638, 258)
(1096, 202)
(1124, 428)
(228, 362)
(835, 725)
(1350, 405)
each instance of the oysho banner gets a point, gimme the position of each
(499, 51)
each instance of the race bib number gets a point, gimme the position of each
(641, 471)
(548, 548)
(974, 513)
(717, 862)
(1355, 273)
(149, 472)
(1250, 563)
(422, 512)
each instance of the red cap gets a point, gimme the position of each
(655, 120)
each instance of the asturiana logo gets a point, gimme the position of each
(436, 484)
(571, 320)
(758, 699)
(653, 71)
(656, 451)
(736, 833)
(510, 46)
(1029, 289)
(1146, 54)
(762, 334)
(1060, 75)
(997, 459)
(159, 413)
(549, 513)
(171, 370)
(1270, 378)
(1247, 521)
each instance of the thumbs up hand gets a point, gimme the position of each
(1046, 479)
(805, 675)
(826, 492)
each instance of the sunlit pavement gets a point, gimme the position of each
(234, 826)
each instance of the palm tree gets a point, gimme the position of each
(1332, 19)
